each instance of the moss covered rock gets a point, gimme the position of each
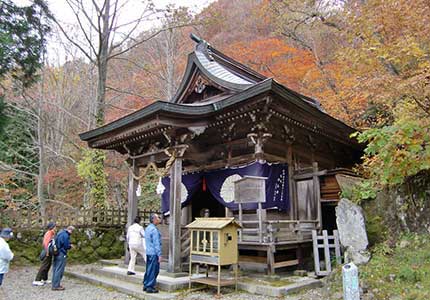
(90, 245)
(95, 243)
(108, 239)
(103, 252)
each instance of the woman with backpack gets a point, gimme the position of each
(45, 256)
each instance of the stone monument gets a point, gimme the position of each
(352, 231)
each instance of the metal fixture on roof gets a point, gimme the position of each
(195, 38)
(202, 46)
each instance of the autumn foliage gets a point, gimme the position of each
(367, 62)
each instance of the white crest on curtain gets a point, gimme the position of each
(160, 187)
(227, 188)
(139, 190)
(184, 192)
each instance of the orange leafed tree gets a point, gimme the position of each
(273, 57)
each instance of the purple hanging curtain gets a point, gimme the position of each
(220, 185)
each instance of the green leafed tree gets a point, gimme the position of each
(23, 38)
(23, 33)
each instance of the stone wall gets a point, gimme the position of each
(404, 208)
(90, 245)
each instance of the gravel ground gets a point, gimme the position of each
(17, 285)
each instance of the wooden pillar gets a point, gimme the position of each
(240, 222)
(174, 264)
(271, 259)
(317, 193)
(292, 185)
(228, 213)
(132, 201)
(132, 197)
(299, 255)
(262, 216)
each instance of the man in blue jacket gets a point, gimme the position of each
(63, 245)
(153, 254)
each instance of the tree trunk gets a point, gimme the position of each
(102, 65)
(170, 64)
(40, 141)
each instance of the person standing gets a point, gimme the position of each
(136, 244)
(63, 245)
(153, 254)
(42, 275)
(6, 254)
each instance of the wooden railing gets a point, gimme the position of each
(328, 242)
(290, 230)
(277, 231)
(65, 216)
(185, 244)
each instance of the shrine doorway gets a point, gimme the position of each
(202, 200)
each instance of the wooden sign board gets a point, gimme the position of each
(250, 189)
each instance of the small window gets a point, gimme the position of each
(202, 237)
(195, 240)
(215, 241)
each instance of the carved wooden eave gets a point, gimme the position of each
(217, 126)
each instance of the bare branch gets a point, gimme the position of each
(125, 92)
(73, 41)
(88, 17)
(59, 154)
(151, 36)
(140, 66)
(7, 167)
(67, 112)
(81, 26)
(18, 154)
(61, 203)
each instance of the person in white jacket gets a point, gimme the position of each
(6, 254)
(136, 244)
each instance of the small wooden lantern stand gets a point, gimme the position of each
(214, 242)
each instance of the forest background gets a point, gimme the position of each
(367, 62)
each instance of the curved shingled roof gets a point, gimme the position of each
(219, 71)
(240, 82)
(218, 68)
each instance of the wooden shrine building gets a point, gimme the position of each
(225, 122)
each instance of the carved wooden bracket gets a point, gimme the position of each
(258, 139)
(289, 134)
(200, 85)
(312, 142)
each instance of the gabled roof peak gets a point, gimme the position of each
(209, 72)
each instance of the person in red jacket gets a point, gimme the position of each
(42, 275)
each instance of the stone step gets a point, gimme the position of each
(140, 266)
(274, 291)
(165, 283)
(111, 262)
(163, 268)
(115, 276)
(122, 286)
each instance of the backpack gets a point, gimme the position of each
(52, 248)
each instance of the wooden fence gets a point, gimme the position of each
(65, 216)
(328, 242)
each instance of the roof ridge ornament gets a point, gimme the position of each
(202, 46)
(195, 38)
